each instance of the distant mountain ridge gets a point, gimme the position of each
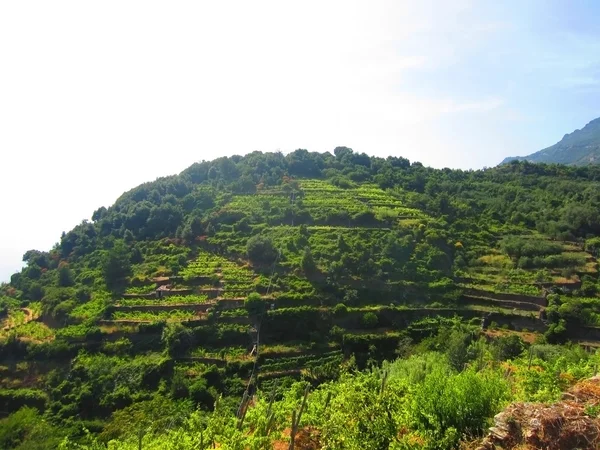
(580, 148)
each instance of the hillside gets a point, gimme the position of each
(580, 148)
(259, 299)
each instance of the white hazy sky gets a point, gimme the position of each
(98, 97)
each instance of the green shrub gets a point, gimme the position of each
(200, 394)
(340, 310)
(14, 399)
(451, 406)
(260, 250)
(370, 320)
(25, 429)
(508, 347)
(254, 304)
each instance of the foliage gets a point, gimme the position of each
(264, 248)
(254, 304)
(26, 429)
(116, 266)
(370, 320)
(260, 250)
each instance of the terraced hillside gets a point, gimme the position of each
(247, 274)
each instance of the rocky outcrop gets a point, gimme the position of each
(580, 148)
(572, 423)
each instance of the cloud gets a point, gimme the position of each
(484, 105)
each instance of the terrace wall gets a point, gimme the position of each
(541, 301)
(525, 306)
(185, 307)
(585, 333)
(518, 323)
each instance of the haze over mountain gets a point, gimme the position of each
(581, 147)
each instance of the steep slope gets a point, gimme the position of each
(581, 147)
(251, 272)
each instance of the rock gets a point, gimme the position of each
(561, 426)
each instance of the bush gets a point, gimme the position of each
(200, 394)
(593, 245)
(177, 339)
(260, 250)
(121, 346)
(518, 247)
(451, 406)
(557, 332)
(370, 320)
(508, 347)
(14, 399)
(25, 429)
(337, 333)
(254, 304)
(340, 310)
(308, 264)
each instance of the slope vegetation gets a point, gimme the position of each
(234, 280)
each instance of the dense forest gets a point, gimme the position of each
(308, 300)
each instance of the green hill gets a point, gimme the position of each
(580, 148)
(200, 307)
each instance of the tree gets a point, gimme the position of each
(26, 429)
(177, 339)
(128, 237)
(116, 266)
(342, 246)
(99, 214)
(508, 347)
(254, 304)
(308, 263)
(457, 348)
(36, 292)
(163, 220)
(200, 394)
(65, 276)
(588, 286)
(343, 154)
(260, 250)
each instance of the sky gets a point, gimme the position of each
(98, 97)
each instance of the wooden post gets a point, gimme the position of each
(293, 430)
(141, 434)
(383, 382)
(296, 418)
(530, 357)
(327, 399)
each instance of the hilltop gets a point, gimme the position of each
(259, 299)
(580, 148)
